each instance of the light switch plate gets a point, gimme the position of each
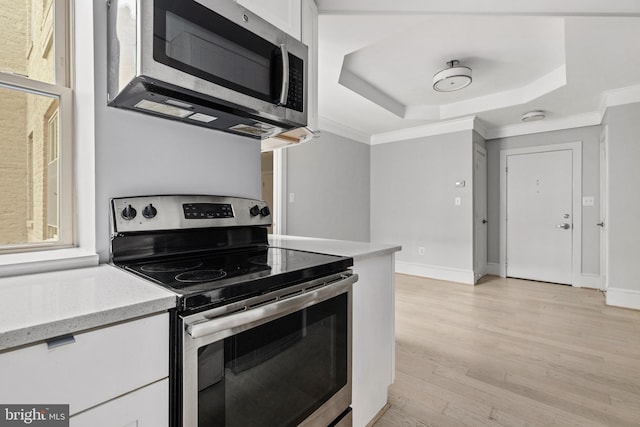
(587, 201)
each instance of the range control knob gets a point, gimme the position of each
(149, 211)
(255, 210)
(265, 211)
(128, 213)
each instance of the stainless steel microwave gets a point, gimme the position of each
(209, 63)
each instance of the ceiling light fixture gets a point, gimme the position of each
(533, 116)
(453, 78)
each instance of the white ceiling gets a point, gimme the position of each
(377, 60)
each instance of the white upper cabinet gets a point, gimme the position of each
(310, 38)
(284, 14)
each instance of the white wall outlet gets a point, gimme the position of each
(420, 250)
(458, 201)
(587, 201)
(292, 197)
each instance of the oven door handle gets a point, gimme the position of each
(221, 327)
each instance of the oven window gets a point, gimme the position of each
(278, 373)
(198, 41)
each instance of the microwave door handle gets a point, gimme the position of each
(284, 92)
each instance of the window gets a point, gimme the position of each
(35, 126)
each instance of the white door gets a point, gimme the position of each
(539, 216)
(480, 213)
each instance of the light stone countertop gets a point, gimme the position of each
(37, 307)
(356, 250)
(41, 306)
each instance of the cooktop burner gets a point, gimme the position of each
(170, 267)
(199, 276)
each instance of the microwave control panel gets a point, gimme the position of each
(295, 99)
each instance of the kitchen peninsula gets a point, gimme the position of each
(373, 317)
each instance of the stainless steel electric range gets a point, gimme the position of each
(261, 336)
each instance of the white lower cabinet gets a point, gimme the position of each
(91, 368)
(146, 407)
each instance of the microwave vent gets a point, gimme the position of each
(257, 130)
(169, 110)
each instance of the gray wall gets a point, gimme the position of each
(138, 154)
(590, 137)
(330, 178)
(412, 199)
(623, 222)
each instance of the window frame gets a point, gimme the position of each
(60, 89)
(65, 159)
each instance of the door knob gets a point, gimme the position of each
(564, 226)
(484, 221)
(600, 224)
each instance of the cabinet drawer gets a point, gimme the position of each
(100, 365)
(146, 407)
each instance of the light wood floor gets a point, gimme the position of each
(512, 353)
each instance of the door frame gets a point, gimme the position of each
(604, 207)
(480, 271)
(576, 243)
(280, 191)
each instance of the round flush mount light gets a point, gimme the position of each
(453, 78)
(533, 116)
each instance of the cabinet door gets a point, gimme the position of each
(146, 407)
(284, 14)
(92, 368)
(310, 38)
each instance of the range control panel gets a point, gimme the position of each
(153, 213)
(207, 210)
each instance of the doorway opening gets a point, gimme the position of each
(266, 161)
(274, 187)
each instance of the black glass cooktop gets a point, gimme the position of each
(220, 278)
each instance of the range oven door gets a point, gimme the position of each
(283, 359)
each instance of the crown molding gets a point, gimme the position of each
(480, 128)
(622, 96)
(547, 125)
(329, 125)
(450, 126)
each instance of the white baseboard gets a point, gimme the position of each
(440, 273)
(493, 268)
(627, 298)
(591, 281)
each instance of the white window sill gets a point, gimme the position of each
(43, 261)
